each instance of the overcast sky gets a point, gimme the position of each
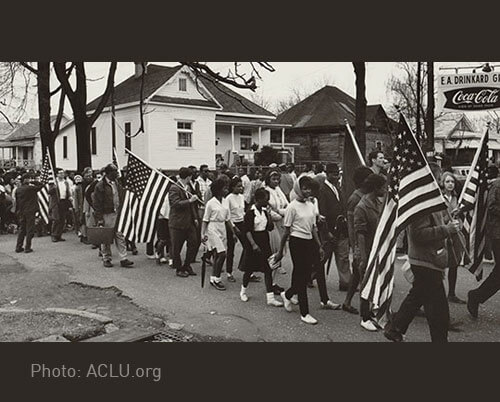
(305, 76)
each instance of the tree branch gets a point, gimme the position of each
(105, 97)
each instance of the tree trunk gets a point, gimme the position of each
(44, 110)
(360, 132)
(430, 107)
(82, 131)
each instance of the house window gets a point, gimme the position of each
(93, 140)
(65, 147)
(379, 145)
(245, 140)
(182, 84)
(184, 134)
(128, 139)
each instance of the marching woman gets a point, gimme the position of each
(213, 230)
(236, 204)
(257, 247)
(448, 183)
(277, 207)
(305, 246)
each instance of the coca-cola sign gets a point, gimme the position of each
(473, 92)
(473, 99)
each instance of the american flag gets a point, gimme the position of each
(46, 178)
(146, 189)
(473, 201)
(412, 193)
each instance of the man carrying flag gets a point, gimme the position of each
(413, 197)
(108, 199)
(484, 217)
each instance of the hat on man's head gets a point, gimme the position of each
(78, 179)
(273, 165)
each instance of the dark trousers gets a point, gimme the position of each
(268, 279)
(58, 224)
(27, 229)
(303, 258)
(230, 248)
(428, 291)
(491, 284)
(179, 237)
(357, 276)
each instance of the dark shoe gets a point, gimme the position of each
(126, 263)
(135, 252)
(350, 309)
(254, 278)
(107, 264)
(61, 239)
(19, 249)
(55, 240)
(277, 290)
(84, 240)
(190, 271)
(310, 285)
(28, 250)
(207, 261)
(182, 274)
(393, 335)
(94, 247)
(456, 300)
(231, 278)
(218, 285)
(472, 305)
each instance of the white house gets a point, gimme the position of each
(187, 120)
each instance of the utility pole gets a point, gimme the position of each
(430, 106)
(419, 101)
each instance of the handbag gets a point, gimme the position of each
(100, 235)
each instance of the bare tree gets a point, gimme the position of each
(15, 92)
(402, 87)
(77, 97)
(360, 129)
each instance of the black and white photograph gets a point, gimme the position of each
(225, 202)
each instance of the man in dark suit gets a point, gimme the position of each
(26, 208)
(183, 223)
(59, 204)
(331, 206)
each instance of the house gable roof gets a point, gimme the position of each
(25, 131)
(157, 76)
(450, 123)
(330, 107)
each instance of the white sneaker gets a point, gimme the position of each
(243, 297)
(369, 326)
(170, 262)
(295, 299)
(329, 305)
(309, 319)
(163, 260)
(271, 301)
(288, 303)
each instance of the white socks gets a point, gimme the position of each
(243, 294)
(271, 301)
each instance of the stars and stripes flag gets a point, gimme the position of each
(473, 203)
(146, 189)
(412, 193)
(46, 178)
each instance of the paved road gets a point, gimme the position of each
(211, 312)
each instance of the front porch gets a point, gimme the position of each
(237, 140)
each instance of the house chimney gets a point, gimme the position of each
(139, 65)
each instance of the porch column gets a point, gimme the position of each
(283, 138)
(260, 137)
(232, 139)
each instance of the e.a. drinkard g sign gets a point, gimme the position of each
(469, 92)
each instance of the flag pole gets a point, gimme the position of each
(355, 143)
(161, 174)
(474, 162)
